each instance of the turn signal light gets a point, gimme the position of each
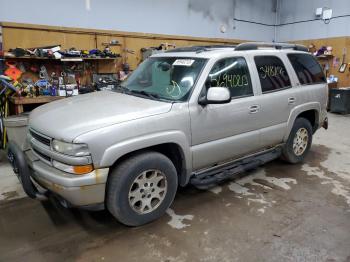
(77, 170)
(80, 170)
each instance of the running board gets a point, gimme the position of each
(212, 176)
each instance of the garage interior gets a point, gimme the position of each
(276, 212)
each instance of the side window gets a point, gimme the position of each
(307, 69)
(272, 73)
(232, 73)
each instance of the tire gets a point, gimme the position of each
(299, 141)
(16, 156)
(130, 200)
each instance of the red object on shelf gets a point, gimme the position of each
(12, 71)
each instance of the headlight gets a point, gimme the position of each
(70, 148)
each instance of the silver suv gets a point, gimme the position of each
(194, 115)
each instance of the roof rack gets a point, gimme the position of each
(200, 48)
(256, 45)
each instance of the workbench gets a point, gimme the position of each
(18, 102)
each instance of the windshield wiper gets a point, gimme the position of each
(144, 93)
(121, 88)
(126, 90)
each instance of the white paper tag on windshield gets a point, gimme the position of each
(183, 62)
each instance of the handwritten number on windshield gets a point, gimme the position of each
(174, 90)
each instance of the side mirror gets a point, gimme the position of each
(216, 95)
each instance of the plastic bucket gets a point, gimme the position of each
(17, 127)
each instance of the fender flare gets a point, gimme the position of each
(116, 151)
(297, 111)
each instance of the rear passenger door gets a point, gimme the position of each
(277, 97)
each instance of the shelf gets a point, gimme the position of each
(20, 102)
(34, 100)
(324, 57)
(65, 59)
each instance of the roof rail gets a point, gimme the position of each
(256, 45)
(200, 48)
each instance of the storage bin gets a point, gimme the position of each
(340, 100)
(16, 127)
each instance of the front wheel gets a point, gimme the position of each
(299, 141)
(141, 188)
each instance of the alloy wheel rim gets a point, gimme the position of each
(148, 191)
(300, 141)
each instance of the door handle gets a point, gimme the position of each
(254, 109)
(291, 100)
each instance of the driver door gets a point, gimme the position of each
(221, 132)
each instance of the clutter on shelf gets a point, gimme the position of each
(105, 81)
(332, 62)
(33, 79)
(332, 79)
(52, 71)
(323, 51)
(55, 52)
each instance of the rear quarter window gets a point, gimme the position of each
(307, 69)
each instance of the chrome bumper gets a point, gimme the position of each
(71, 189)
(77, 190)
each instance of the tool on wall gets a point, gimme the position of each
(148, 51)
(326, 69)
(108, 51)
(125, 68)
(343, 64)
(113, 42)
(127, 51)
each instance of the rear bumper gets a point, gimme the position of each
(72, 190)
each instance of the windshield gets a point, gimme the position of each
(170, 78)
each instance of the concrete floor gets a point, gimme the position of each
(276, 213)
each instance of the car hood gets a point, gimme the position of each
(68, 118)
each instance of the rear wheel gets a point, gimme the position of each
(299, 141)
(141, 188)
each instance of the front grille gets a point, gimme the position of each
(47, 158)
(40, 138)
